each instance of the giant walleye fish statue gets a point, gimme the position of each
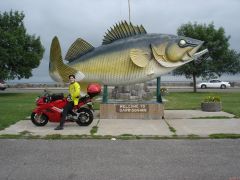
(128, 55)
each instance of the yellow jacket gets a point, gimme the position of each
(74, 90)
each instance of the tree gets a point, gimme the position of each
(19, 51)
(222, 59)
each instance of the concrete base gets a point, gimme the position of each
(132, 111)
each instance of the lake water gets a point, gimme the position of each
(164, 78)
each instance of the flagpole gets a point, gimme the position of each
(129, 11)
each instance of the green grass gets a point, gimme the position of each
(224, 136)
(96, 105)
(15, 107)
(188, 100)
(94, 130)
(212, 117)
(171, 128)
(193, 136)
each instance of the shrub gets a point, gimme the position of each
(164, 91)
(212, 99)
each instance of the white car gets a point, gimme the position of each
(214, 83)
(3, 85)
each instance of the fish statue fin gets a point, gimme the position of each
(140, 57)
(159, 50)
(121, 31)
(77, 49)
(57, 69)
(159, 56)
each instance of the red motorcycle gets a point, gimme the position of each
(50, 107)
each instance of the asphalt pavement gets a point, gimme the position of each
(113, 158)
(119, 160)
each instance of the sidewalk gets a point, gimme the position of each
(184, 122)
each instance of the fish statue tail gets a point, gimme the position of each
(57, 69)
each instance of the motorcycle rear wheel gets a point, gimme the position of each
(85, 117)
(39, 120)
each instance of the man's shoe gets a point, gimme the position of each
(59, 128)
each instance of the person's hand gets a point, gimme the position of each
(69, 98)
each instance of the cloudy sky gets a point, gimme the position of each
(90, 19)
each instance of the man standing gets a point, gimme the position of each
(74, 90)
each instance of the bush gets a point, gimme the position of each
(212, 99)
(164, 91)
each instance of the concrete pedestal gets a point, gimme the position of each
(131, 111)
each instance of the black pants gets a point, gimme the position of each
(67, 109)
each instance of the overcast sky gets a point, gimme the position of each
(90, 19)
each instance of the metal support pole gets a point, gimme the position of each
(129, 15)
(159, 97)
(105, 94)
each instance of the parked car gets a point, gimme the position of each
(3, 85)
(214, 83)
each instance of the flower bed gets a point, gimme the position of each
(211, 104)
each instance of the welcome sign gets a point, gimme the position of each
(132, 108)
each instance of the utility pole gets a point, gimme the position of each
(129, 16)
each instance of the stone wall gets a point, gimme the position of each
(131, 92)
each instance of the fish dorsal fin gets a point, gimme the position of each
(77, 49)
(140, 57)
(121, 31)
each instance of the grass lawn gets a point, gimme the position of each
(15, 107)
(190, 100)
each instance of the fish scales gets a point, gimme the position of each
(115, 66)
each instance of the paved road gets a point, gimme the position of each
(65, 90)
(106, 159)
(190, 89)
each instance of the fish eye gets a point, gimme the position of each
(182, 43)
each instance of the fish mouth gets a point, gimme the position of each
(191, 55)
(188, 56)
(199, 54)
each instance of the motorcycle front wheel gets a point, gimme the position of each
(39, 120)
(85, 117)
